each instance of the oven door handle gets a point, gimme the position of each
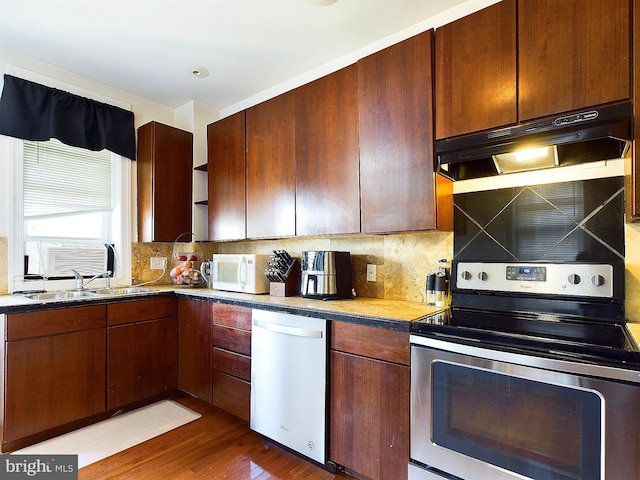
(562, 366)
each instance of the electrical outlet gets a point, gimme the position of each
(158, 263)
(371, 273)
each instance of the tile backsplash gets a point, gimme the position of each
(402, 260)
(579, 220)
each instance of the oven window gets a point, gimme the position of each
(536, 429)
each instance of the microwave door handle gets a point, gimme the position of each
(242, 272)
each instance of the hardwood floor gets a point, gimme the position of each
(216, 446)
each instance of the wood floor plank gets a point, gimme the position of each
(217, 446)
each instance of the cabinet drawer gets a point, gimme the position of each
(373, 342)
(52, 322)
(232, 394)
(232, 316)
(233, 339)
(140, 310)
(232, 363)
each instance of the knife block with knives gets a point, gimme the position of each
(283, 273)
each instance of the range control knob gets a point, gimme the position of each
(574, 279)
(466, 275)
(483, 276)
(598, 280)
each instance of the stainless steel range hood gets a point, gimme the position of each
(601, 133)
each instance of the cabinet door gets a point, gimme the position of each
(195, 343)
(271, 187)
(396, 140)
(476, 71)
(633, 170)
(369, 423)
(226, 173)
(572, 54)
(142, 360)
(165, 162)
(326, 152)
(53, 380)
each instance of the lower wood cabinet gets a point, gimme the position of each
(195, 329)
(370, 401)
(142, 350)
(54, 370)
(232, 359)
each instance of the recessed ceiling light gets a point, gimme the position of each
(198, 71)
(323, 3)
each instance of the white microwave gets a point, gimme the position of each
(237, 273)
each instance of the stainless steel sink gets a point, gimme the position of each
(92, 293)
(123, 290)
(61, 295)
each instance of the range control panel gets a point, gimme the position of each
(576, 279)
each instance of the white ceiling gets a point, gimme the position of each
(148, 47)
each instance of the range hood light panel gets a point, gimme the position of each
(528, 159)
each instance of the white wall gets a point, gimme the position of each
(194, 117)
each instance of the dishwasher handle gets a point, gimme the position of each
(287, 330)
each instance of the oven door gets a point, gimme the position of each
(478, 413)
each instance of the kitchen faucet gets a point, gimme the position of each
(80, 283)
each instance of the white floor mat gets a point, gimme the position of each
(111, 436)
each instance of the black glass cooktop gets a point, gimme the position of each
(596, 341)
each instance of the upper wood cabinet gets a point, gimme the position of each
(571, 54)
(271, 184)
(476, 71)
(226, 163)
(326, 153)
(632, 190)
(395, 105)
(165, 177)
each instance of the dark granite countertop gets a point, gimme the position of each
(392, 314)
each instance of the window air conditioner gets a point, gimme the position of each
(55, 260)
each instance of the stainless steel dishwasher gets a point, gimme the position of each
(288, 381)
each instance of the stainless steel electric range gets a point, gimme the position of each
(531, 375)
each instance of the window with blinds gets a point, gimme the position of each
(67, 191)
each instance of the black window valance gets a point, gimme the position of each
(36, 112)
